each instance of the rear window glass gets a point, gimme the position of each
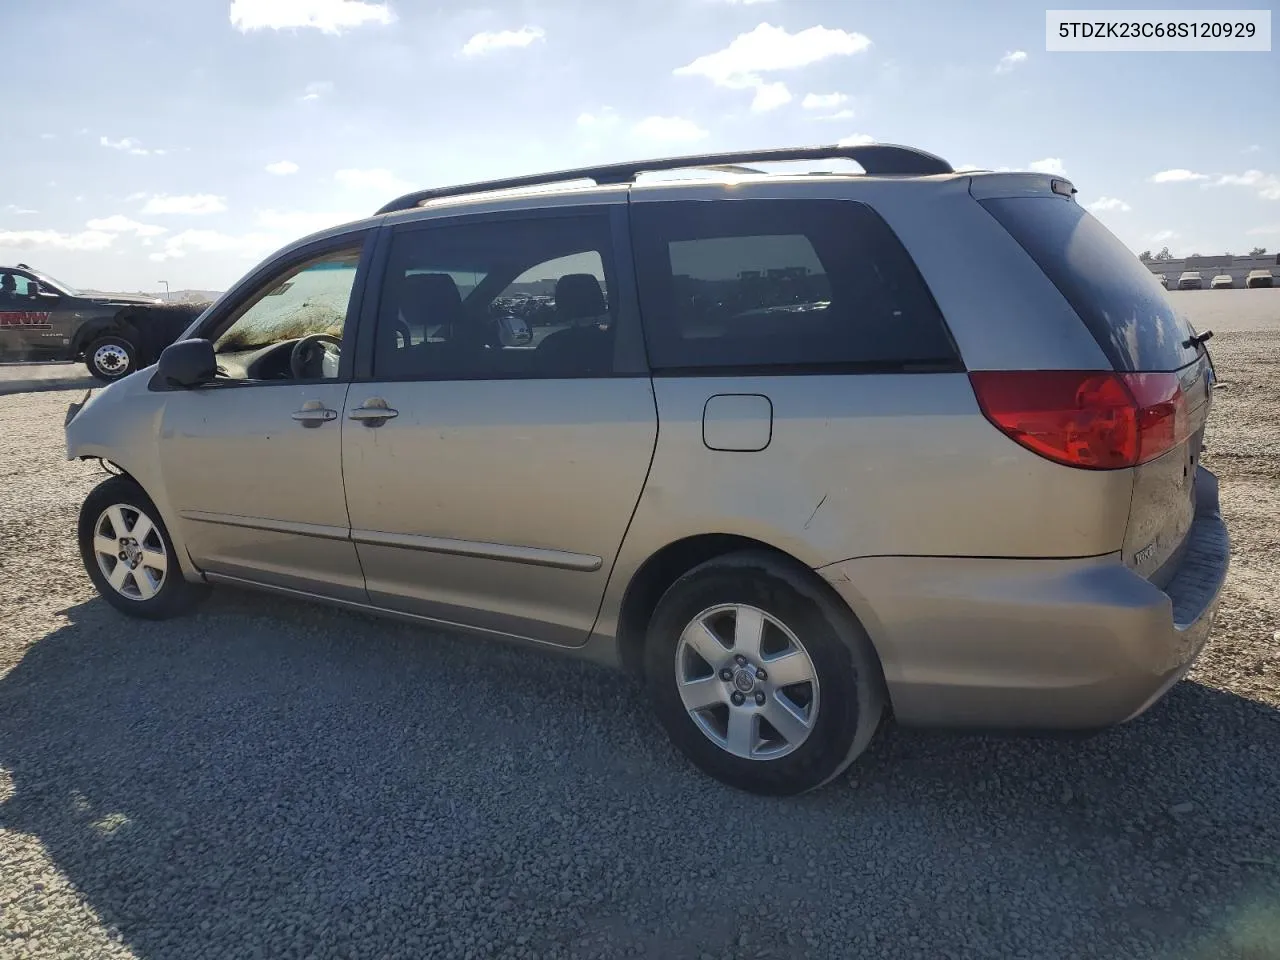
(773, 284)
(1117, 297)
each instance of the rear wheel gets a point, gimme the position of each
(763, 680)
(111, 357)
(129, 556)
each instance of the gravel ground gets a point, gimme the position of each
(273, 780)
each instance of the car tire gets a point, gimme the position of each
(110, 358)
(775, 734)
(129, 555)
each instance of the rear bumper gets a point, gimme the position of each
(1036, 644)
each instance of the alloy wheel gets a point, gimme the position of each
(130, 552)
(747, 681)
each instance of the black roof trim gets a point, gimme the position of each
(874, 158)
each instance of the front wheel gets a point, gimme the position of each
(111, 357)
(760, 677)
(129, 555)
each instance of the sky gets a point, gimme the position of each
(144, 145)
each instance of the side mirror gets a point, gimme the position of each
(513, 331)
(40, 290)
(187, 363)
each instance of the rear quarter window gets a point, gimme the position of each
(1117, 297)
(771, 285)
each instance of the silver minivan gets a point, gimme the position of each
(801, 451)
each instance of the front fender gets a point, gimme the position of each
(94, 327)
(121, 424)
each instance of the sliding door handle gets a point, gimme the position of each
(374, 413)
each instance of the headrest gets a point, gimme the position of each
(433, 296)
(578, 296)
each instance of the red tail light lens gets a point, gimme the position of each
(1088, 419)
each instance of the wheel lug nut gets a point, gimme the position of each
(761, 675)
(759, 698)
(726, 674)
(740, 660)
(737, 698)
(122, 555)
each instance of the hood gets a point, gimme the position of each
(122, 301)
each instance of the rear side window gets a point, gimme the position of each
(1117, 297)
(776, 284)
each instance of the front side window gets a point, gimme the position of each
(498, 299)
(781, 283)
(292, 327)
(16, 285)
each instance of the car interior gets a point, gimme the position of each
(428, 328)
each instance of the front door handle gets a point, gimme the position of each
(314, 413)
(374, 413)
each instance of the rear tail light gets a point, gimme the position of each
(1088, 419)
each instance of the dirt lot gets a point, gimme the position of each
(272, 780)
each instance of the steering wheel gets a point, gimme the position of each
(303, 354)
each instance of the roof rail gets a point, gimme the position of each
(874, 158)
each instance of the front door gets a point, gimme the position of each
(34, 324)
(252, 462)
(495, 452)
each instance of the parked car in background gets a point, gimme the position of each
(45, 319)
(1258, 278)
(754, 457)
(1190, 280)
(1221, 282)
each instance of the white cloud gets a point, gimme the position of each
(1108, 204)
(1010, 60)
(54, 240)
(122, 224)
(1177, 175)
(744, 3)
(1050, 165)
(1164, 236)
(669, 130)
(822, 101)
(1251, 148)
(768, 48)
(17, 211)
(281, 168)
(1268, 185)
(328, 16)
(488, 41)
(770, 96)
(374, 180)
(968, 168)
(742, 64)
(838, 115)
(48, 136)
(193, 204)
(855, 140)
(292, 224)
(213, 241)
(604, 119)
(316, 89)
(127, 144)
(1271, 231)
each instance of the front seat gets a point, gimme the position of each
(581, 348)
(422, 300)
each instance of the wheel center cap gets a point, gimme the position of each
(132, 552)
(744, 679)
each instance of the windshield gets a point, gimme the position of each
(58, 285)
